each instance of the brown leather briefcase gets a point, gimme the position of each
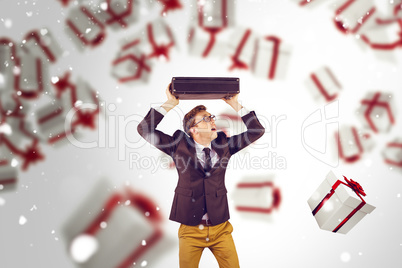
(191, 88)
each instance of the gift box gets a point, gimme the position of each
(51, 122)
(256, 196)
(338, 204)
(377, 111)
(241, 48)
(42, 44)
(84, 28)
(8, 176)
(353, 16)
(323, 84)
(189, 88)
(352, 143)
(117, 13)
(155, 41)
(31, 76)
(125, 224)
(131, 65)
(271, 58)
(392, 153)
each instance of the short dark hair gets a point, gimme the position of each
(189, 118)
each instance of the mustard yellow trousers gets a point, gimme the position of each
(218, 238)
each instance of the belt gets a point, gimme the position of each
(206, 222)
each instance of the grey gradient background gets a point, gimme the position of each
(49, 191)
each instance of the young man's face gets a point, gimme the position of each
(205, 130)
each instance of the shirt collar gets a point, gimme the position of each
(200, 147)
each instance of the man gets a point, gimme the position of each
(200, 201)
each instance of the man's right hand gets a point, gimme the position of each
(172, 100)
(170, 96)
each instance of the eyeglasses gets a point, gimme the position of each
(207, 119)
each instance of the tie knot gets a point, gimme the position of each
(207, 150)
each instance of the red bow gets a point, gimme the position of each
(355, 186)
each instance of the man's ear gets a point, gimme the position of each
(193, 130)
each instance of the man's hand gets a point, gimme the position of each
(172, 100)
(233, 102)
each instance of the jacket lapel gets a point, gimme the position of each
(193, 153)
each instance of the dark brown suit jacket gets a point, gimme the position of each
(196, 189)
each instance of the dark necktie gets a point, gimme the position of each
(208, 162)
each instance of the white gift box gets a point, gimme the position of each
(323, 84)
(353, 16)
(7, 56)
(336, 206)
(51, 122)
(8, 176)
(377, 111)
(84, 28)
(125, 225)
(241, 48)
(257, 195)
(215, 14)
(385, 35)
(204, 43)
(352, 143)
(392, 153)
(131, 65)
(155, 41)
(117, 13)
(271, 58)
(42, 44)
(31, 76)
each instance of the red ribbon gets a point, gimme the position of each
(141, 66)
(356, 187)
(275, 55)
(321, 87)
(305, 2)
(383, 46)
(162, 49)
(119, 18)
(236, 62)
(169, 5)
